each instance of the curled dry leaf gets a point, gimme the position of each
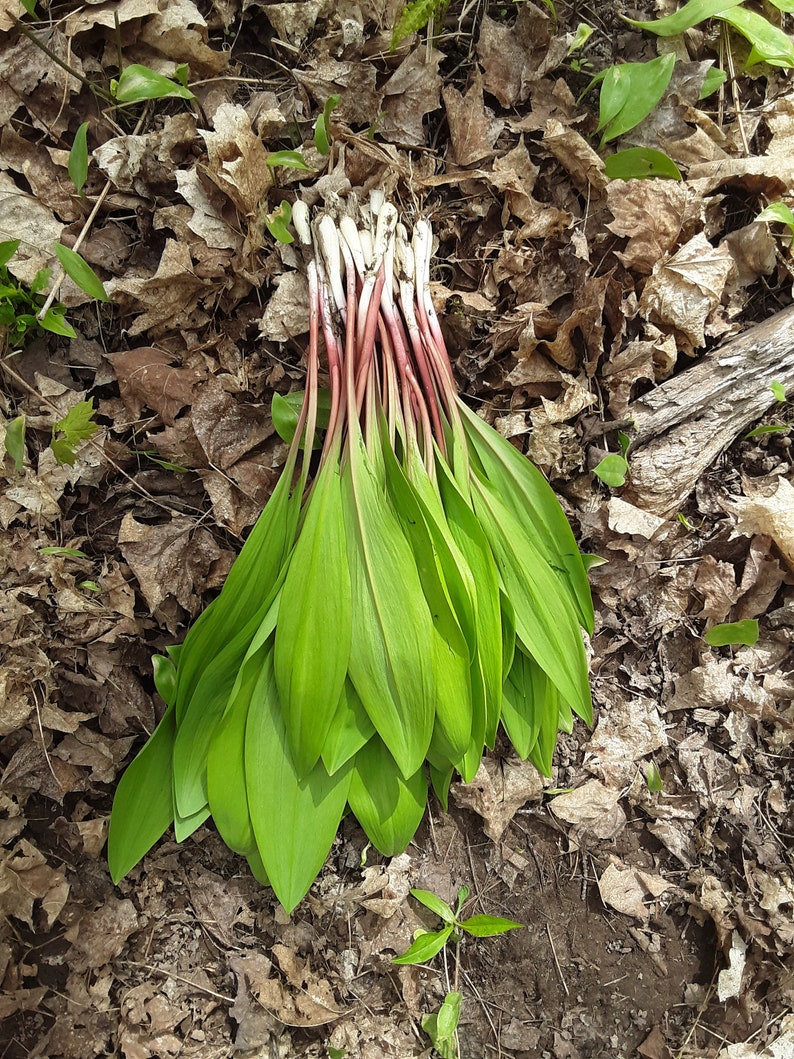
(498, 791)
(772, 516)
(627, 889)
(237, 160)
(514, 57)
(25, 879)
(413, 90)
(473, 129)
(591, 808)
(655, 216)
(148, 379)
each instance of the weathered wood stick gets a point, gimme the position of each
(684, 424)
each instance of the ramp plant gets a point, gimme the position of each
(411, 584)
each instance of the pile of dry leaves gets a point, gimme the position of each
(657, 889)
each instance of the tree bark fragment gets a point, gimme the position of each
(683, 425)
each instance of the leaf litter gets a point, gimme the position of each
(485, 132)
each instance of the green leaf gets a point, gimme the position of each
(523, 703)
(81, 272)
(545, 620)
(414, 16)
(769, 428)
(277, 223)
(73, 553)
(78, 158)
(388, 807)
(350, 730)
(15, 441)
(777, 388)
(653, 779)
(322, 127)
(76, 426)
(425, 947)
(389, 663)
(143, 804)
(294, 820)
(488, 926)
(641, 163)
(89, 586)
(713, 80)
(686, 17)
(7, 250)
(441, 1027)
(310, 664)
(769, 43)
(164, 672)
(581, 36)
(138, 83)
(778, 213)
(288, 159)
(612, 470)
(733, 633)
(629, 92)
(285, 413)
(434, 903)
(53, 321)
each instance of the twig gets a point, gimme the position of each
(556, 961)
(179, 978)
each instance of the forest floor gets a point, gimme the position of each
(653, 872)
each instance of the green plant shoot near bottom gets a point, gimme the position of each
(411, 586)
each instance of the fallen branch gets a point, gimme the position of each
(686, 423)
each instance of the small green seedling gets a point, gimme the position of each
(78, 158)
(19, 308)
(579, 40)
(778, 213)
(78, 269)
(138, 83)
(428, 943)
(629, 92)
(733, 634)
(614, 468)
(76, 426)
(415, 16)
(288, 159)
(14, 441)
(277, 223)
(442, 1027)
(653, 778)
(779, 390)
(71, 553)
(322, 127)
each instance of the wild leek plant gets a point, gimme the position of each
(411, 584)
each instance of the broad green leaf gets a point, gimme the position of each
(75, 427)
(523, 703)
(253, 576)
(15, 441)
(288, 159)
(285, 413)
(257, 867)
(72, 553)
(81, 272)
(389, 663)
(138, 83)
(7, 250)
(184, 826)
(612, 470)
(653, 778)
(686, 17)
(315, 621)
(532, 500)
(733, 633)
(713, 80)
(441, 778)
(425, 947)
(768, 42)
(78, 158)
(777, 388)
(294, 820)
(227, 792)
(641, 163)
(545, 620)
(434, 903)
(350, 730)
(488, 926)
(196, 726)
(441, 1027)
(53, 321)
(164, 672)
(565, 718)
(778, 212)
(629, 93)
(143, 805)
(388, 807)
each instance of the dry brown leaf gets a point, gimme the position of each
(26, 878)
(498, 791)
(627, 889)
(148, 379)
(287, 312)
(208, 222)
(629, 731)
(754, 251)
(354, 82)
(26, 219)
(98, 937)
(413, 90)
(592, 809)
(294, 22)
(716, 584)
(771, 516)
(473, 129)
(179, 32)
(175, 560)
(237, 160)
(170, 299)
(584, 166)
(146, 163)
(513, 57)
(632, 521)
(685, 290)
(655, 215)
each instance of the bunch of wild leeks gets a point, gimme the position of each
(380, 622)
